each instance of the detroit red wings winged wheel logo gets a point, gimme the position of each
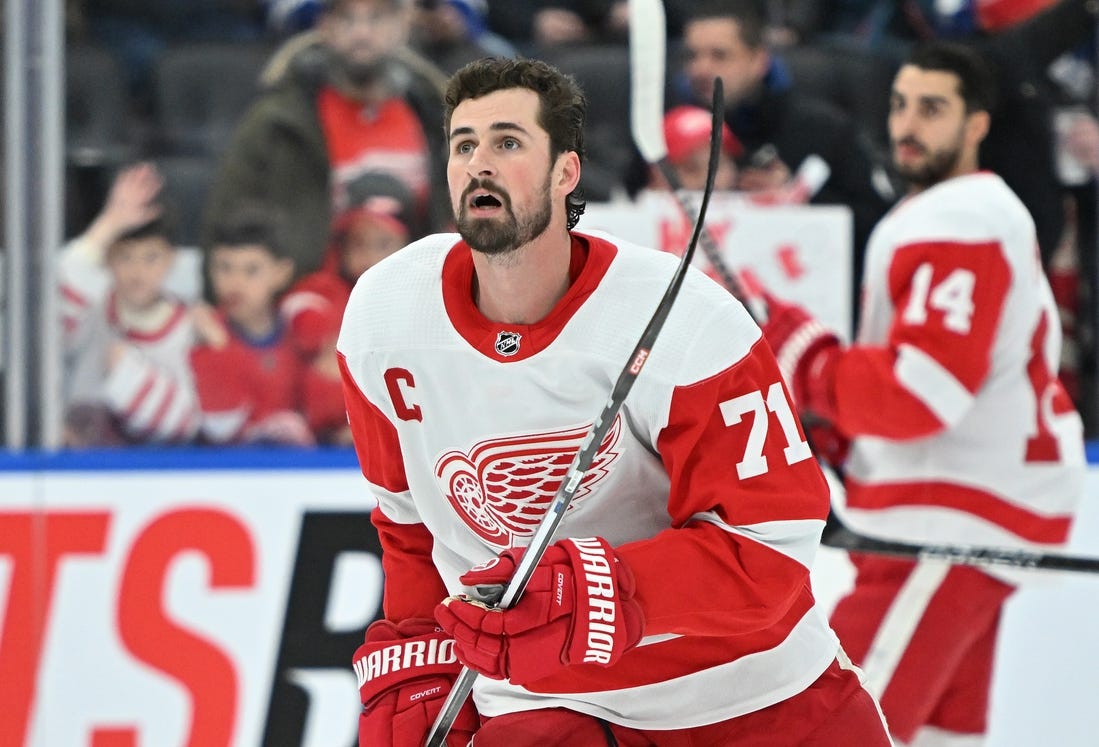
(502, 487)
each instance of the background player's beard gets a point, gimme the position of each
(937, 166)
(492, 236)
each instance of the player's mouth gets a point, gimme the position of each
(908, 150)
(483, 203)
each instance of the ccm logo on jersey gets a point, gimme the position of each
(402, 656)
(600, 596)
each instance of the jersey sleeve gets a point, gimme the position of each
(948, 299)
(747, 506)
(312, 315)
(151, 400)
(84, 282)
(412, 583)
(223, 390)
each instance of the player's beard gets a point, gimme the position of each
(498, 236)
(936, 166)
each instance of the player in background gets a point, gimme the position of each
(675, 607)
(376, 224)
(250, 376)
(961, 432)
(127, 338)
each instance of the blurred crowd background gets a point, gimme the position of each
(292, 143)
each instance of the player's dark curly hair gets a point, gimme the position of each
(976, 80)
(563, 110)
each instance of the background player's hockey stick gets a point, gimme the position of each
(839, 535)
(589, 448)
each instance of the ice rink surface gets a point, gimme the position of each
(1046, 691)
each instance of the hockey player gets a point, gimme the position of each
(961, 430)
(675, 606)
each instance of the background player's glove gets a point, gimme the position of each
(405, 672)
(806, 351)
(577, 608)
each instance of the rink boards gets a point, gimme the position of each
(215, 598)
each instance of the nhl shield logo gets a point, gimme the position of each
(507, 343)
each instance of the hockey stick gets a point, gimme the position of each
(839, 535)
(589, 447)
(648, 50)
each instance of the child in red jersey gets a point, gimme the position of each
(250, 376)
(376, 225)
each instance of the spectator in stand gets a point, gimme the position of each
(453, 32)
(348, 98)
(962, 432)
(250, 377)
(687, 135)
(779, 127)
(373, 227)
(127, 338)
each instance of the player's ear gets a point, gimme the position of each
(976, 126)
(568, 171)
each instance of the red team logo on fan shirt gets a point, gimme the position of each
(502, 487)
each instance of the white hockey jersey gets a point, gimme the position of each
(465, 427)
(963, 432)
(150, 389)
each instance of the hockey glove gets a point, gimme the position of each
(405, 672)
(578, 608)
(806, 352)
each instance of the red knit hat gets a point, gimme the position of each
(380, 197)
(687, 128)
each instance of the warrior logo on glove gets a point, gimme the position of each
(578, 608)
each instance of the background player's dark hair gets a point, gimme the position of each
(976, 82)
(562, 113)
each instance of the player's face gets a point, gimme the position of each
(138, 269)
(714, 49)
(246, 281)
(932, 136)
(362, 32)
(504, 188)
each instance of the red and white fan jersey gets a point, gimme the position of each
(963, 432)
(704, 484)
(150, 388)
